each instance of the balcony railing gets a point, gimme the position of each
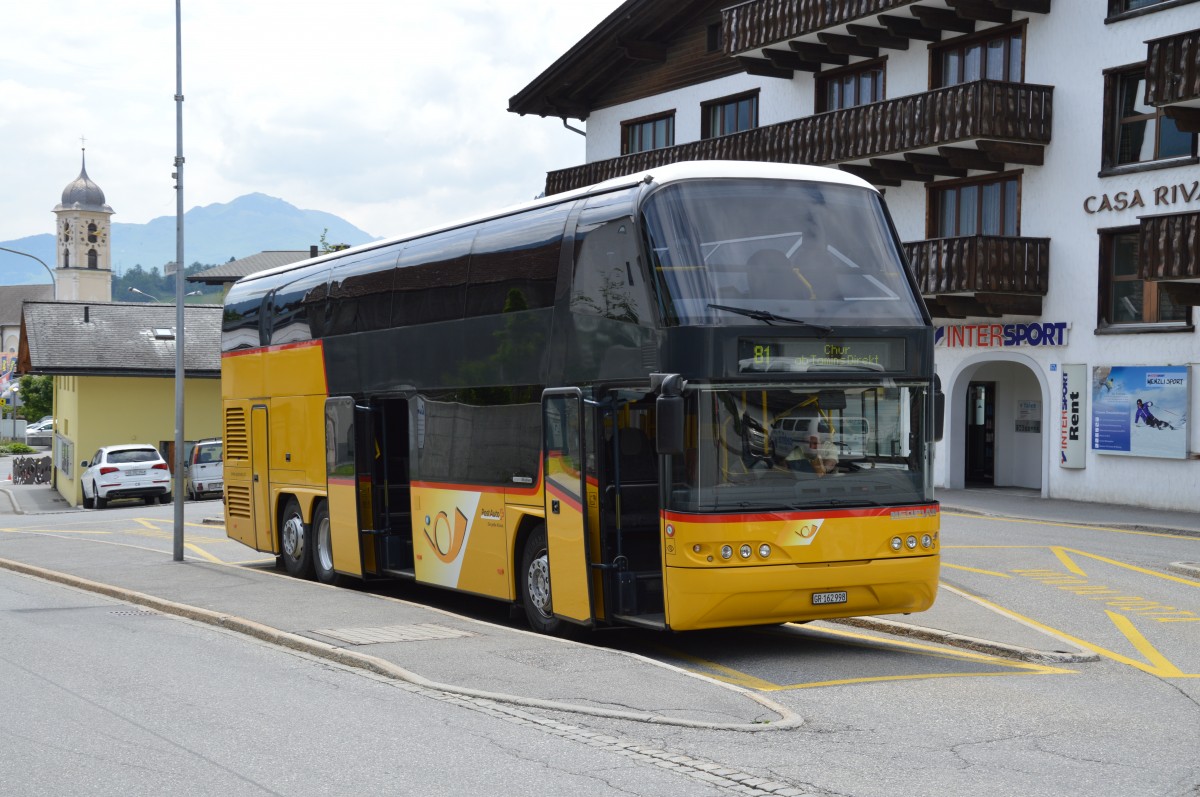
(1173, 69)
(994, 274)
(1169, 253)
(762, 22)
(984, 109)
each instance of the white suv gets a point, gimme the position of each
(128, 471)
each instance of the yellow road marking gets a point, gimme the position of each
(1072, 526)
(196, 549)
(738, 678)
(976, 570)
(1068, 563)
(1161, 666)
(1169, 671)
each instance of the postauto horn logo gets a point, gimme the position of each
(808, 531)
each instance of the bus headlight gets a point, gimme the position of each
(745, 551)
(897, 543)
(726, 552)
(911, 542)
(764, 550)
(926, 541)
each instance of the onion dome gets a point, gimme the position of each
(83, 194)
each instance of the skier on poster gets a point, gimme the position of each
(1144, 415)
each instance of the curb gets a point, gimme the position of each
(788, 719)
(988, 513)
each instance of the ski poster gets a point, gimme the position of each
(1140, 411)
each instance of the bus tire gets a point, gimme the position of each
(535, 585)
(295, 541)
(323, 546)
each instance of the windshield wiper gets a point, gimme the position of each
(769, 317)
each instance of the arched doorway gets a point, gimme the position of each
(997, 424)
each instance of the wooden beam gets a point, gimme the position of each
(912, 28)
(872, 176)
(965, 306)
(900, 170)
(847, 45)
(939, 310)
(639, 50)
(1029, 6)
(1181, 293)
(933, 164)
(790, 59)
(810, 51)
(981, 11)
(763, 68)
(870, 36)
(941, 19)
(1011, 303)
(966, 158)
(1186, 119)
(1010, 152)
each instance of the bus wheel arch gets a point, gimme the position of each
(295, 539)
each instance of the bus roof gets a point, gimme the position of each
(660, 175)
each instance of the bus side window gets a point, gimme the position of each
(608, 280)
(514, 262)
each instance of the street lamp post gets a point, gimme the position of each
(143, 293)
(50, 271)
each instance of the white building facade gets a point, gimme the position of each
(1040, 164)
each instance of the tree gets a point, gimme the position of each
(325, 247)
(37, 396)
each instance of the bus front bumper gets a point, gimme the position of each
(720, 597)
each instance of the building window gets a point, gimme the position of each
(999, 55)
(1136, 132)
(653, 132)
(1124, 297)
(860, 84)
(1120, 8)
(93, 259)
(987, 207)
(66, 258)
(729, 115)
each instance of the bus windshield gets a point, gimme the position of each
(783, 250)
(791, 448)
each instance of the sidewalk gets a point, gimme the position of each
(434, 649)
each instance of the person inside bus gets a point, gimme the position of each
(821, 459)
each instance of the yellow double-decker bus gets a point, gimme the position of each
(698, 397)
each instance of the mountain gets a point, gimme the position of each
(212, 234)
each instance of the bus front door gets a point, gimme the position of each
(566, 494)
(260, 486)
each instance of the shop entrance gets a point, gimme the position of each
(981, 433)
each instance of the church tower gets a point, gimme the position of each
(83, 254)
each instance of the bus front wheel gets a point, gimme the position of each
(295, 540)
(323, 542)
(535, 584)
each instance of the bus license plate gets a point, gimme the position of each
(820, 598)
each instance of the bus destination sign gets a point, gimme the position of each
(782, 355)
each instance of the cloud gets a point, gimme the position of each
(392, 115)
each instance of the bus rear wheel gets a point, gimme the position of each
(535, 585)
(295, 541)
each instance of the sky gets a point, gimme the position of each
(392, 115)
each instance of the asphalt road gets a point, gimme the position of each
(883, 714)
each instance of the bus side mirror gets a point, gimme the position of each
(669, 425)
(668, 429)
(939, 410)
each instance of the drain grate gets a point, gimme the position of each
(393, 633)
(134, 612)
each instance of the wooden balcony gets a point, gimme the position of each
(1169, 253)
(776, 37)
(981, 275)
(1173, 78)
(984, 125)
